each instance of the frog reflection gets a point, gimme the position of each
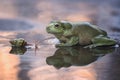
(77, 56)
(18, 50)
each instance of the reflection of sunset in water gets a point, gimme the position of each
(4, 49)
(9, 66)
(83, 73)
(33, 67)
(10, 70)
(13, 66)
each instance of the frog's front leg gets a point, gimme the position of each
(70, 42)
(101, 41)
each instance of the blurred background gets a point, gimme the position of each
(28, 18)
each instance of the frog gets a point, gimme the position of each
(79, 33)
(18, 42)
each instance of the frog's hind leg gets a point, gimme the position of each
(101, 41)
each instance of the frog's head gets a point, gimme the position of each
(58, 27)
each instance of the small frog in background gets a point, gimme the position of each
(82, 33)
(20, 42)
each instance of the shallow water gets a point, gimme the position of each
(27, 19)
(66, 63)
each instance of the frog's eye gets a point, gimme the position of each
(56, 25)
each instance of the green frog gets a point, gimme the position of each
(82, 33)
(20, 42)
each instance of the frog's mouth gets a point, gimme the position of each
(48, 29)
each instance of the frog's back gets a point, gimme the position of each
(86, 32)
